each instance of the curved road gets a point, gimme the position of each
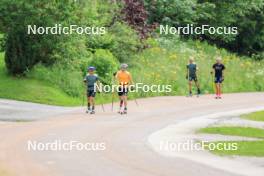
(127, 151)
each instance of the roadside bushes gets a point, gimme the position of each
(64, 78)
(67, 72)
(23, 51)
(68, 76)
(106, 64)
(120, 40)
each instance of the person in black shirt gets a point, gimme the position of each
(218, 70)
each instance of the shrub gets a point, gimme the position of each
(106, 64)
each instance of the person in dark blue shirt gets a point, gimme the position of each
(218, 70)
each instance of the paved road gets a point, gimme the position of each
(127, 151)
(11, 110)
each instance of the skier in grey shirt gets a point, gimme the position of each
(191, 76)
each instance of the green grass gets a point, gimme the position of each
(257, 116)
(165, 63)
(31, 90)
(235, 131)
(244, 148)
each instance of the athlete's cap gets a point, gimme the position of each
(91, 68)
(124, 66)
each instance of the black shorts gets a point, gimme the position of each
(91, 93)
(122, 91)
(193, 78)
(219, 79)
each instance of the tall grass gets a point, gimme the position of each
(165, 63)
(32, 90)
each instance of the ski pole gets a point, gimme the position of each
(83, 100)
(103, 107)
(213, 83)
(136, 102)
(83, 97)
(113, 78)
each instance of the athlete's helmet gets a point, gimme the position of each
(91, 68)
(124, 66)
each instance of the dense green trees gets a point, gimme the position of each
(22, 50)
(246, 15)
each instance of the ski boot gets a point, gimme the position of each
(88, 111)
(92, 112)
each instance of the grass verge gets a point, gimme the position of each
(244, 148)
(31, 90)
(256, 116)
(235, 131)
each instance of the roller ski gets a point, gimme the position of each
(198, 93)
(218, 97)
(92, 112)
(123, 112)
(88, 111)
(190, 95)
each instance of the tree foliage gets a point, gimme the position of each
(246, 15)
(22, 50)
(135, 15)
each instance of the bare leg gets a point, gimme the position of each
(216, 89)
(88, 103)
(121, 103)
(125, 101)
(220, 90)
(190, 87)
(198, 87)
(92, 102)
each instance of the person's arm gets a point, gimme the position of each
(213, 70)
(223, 74)
(187, 71)
(116, 75)
(131, 82)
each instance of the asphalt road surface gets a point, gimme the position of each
(127, 152)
